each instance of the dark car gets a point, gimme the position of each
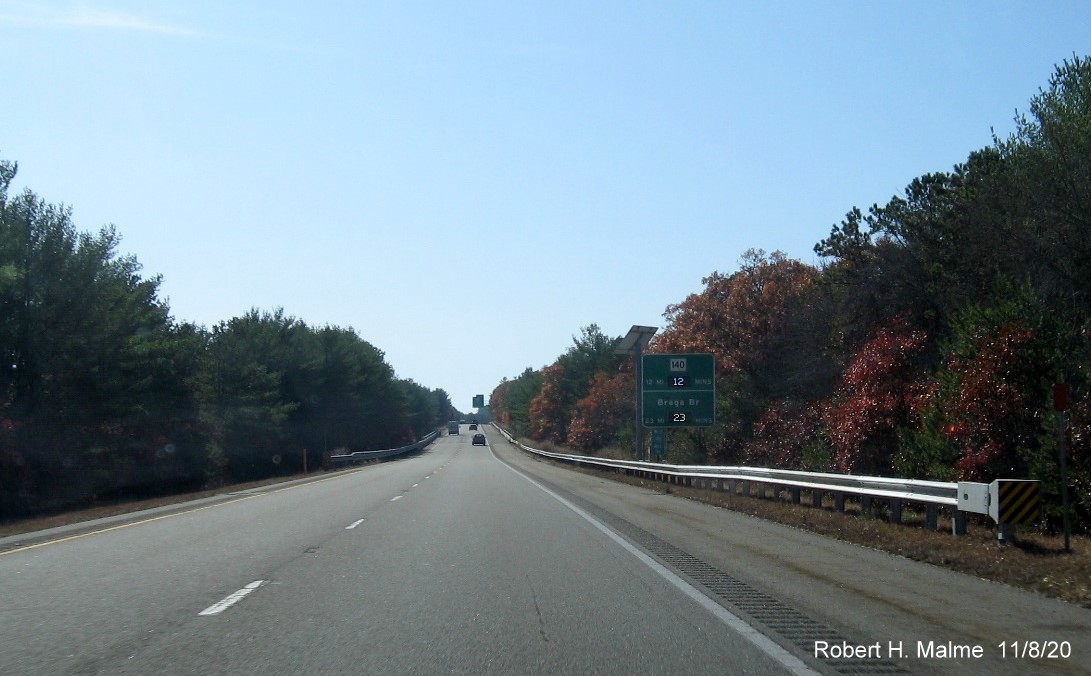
(473, 426)
(479, 440)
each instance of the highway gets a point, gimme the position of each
(478, 559)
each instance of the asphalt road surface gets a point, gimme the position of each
(478, 559)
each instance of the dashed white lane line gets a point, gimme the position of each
(354, 524)
(414, 485)
(396, 497)
(217, 608)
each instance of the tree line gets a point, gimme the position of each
(104, 395)
(924, 345)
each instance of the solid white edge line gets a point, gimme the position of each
(354, 524)
(762, 642)
(185, 512)
(231, 599)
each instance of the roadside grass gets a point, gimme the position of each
(115, 507)
(1035, 561)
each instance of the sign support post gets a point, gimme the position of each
(1060, 404)
(634, 343)
(639, 356)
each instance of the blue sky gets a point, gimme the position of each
(467, 184)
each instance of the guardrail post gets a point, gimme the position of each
(958, 522)
(866, 490)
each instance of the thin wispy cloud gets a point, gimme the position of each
(83, 17)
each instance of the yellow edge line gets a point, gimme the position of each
(167, 516)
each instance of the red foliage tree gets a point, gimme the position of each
(782, 434)
(1079, 459)
(549, 410)
(598, 416)
(992, 401)
(874, 397)
(737, 315)
(498, 404)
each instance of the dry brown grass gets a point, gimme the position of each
(1035, 562)
(90, 513)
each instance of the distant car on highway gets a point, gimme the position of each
(479, 440)
(473, 426)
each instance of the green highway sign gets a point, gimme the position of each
(678, 390)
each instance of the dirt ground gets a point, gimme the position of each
(1035, 562)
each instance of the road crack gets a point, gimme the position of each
(538, 610)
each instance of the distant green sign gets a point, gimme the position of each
(678, 390)
(479, 401)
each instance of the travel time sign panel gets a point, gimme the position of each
(678, 390)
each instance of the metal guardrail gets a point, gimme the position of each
(364, 456)
(931, 494)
